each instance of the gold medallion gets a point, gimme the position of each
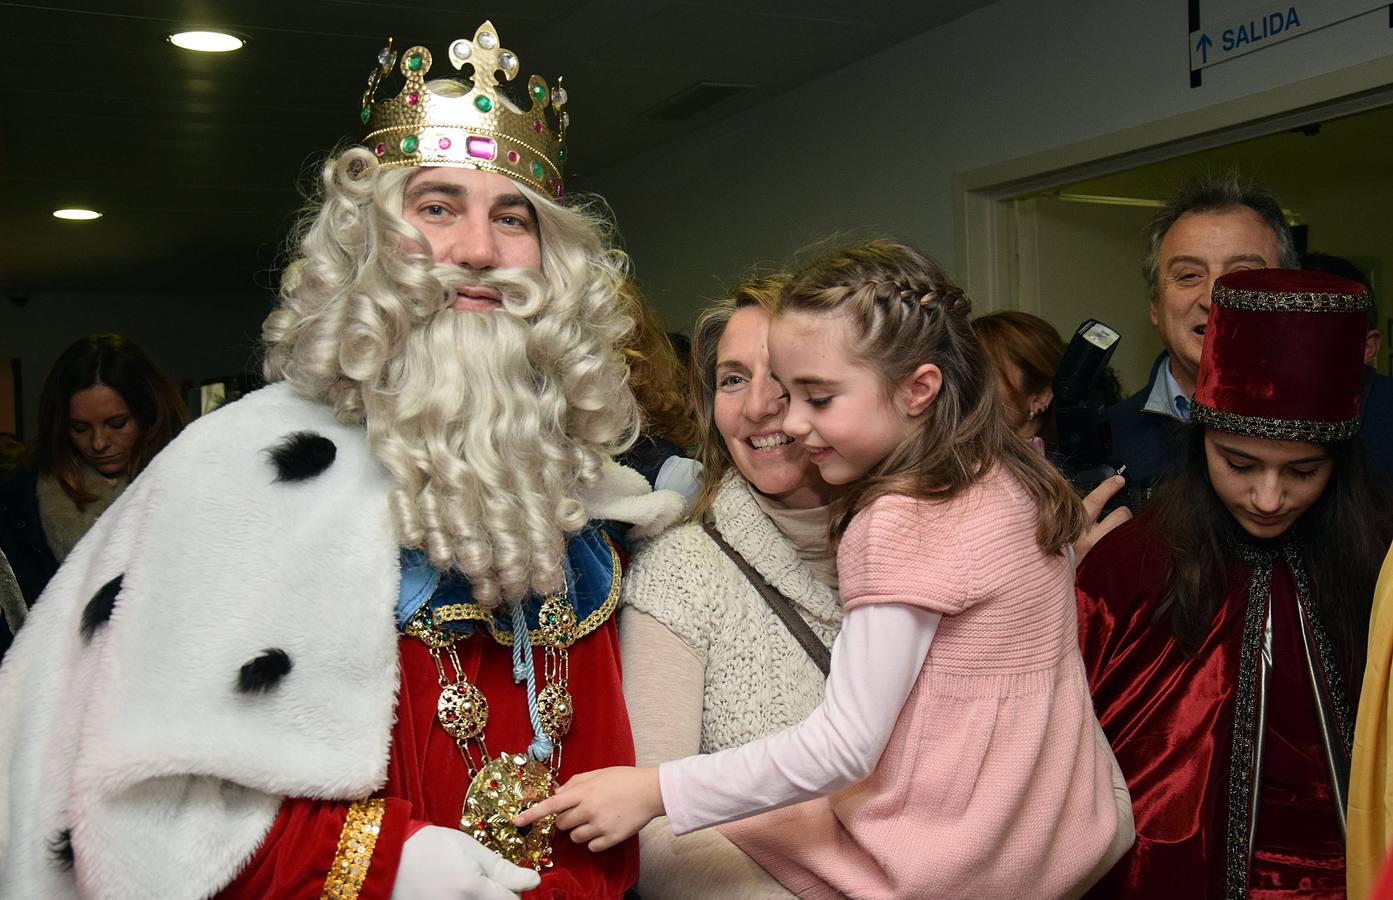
(500, 792)
(463, 710)
(556, 620)
(555, 710)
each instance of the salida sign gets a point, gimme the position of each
(1269, 25)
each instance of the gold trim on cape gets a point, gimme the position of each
(472, 612)
(354, 854)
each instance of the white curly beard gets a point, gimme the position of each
(475, 435)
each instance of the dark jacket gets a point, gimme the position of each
(22, 534)
(1146, 439)
(22, 539)
(1377, 427)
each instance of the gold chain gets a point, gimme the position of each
(500, 789)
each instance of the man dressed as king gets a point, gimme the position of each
(342, 631)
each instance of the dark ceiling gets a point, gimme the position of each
(195, 158)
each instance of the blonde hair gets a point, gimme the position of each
(487, 423)
(656, 375)
(761, 291)
(902, 311)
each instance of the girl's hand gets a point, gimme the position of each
(1093, 504)
(603, 807)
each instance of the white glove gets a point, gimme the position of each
(447, 864)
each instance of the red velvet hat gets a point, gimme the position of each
(1284, 355)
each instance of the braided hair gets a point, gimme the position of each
(903, 311)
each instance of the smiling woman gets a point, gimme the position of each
(1224, 629)
(707, 662)
(106, 409)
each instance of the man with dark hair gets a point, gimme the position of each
(1214, 225)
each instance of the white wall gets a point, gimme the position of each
(1086, 268)
(191, 336)
(873, 148)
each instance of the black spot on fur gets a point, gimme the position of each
(301, 455)
(99, 608)
(60, 849)
(265, 672)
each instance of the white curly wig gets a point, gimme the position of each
(487, 422)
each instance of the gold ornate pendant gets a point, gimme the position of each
(502, 789)
(462, 710)
(556, 710)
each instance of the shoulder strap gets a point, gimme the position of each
(781, 605)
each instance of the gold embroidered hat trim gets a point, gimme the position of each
(1275, 429)
(1290, 301)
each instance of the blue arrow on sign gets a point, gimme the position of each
(1203, 45)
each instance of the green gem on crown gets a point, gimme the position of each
(537, 170)
(562, 154)
(409, 143)
(483, 103)
(365, 113)
(539, 92)
(413, 62)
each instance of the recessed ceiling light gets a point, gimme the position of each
(207, 41)
(76, 214)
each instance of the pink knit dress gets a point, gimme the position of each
(993, 784)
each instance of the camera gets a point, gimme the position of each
(1084, 449)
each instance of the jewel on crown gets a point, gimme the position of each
(470, 123)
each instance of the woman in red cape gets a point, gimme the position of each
(1224, 630)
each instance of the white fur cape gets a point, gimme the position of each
(138, 741)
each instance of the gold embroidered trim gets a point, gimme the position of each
(1275, 429)
(354, 855)
(1290, 301)
(472, 612)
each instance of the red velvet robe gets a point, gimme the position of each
(427, 778)
(1171, 719)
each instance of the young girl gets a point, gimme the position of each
(974, 768)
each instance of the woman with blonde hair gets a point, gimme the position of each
(708, 662)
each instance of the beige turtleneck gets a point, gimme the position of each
(808, 532)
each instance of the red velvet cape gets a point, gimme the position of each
(1170, 718)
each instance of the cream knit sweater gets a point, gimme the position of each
(708, 666)
(758, 680)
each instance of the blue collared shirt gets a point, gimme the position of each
(1166, 397)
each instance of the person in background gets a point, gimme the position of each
(1376, 399)
(1223, 630)
(1024, 351)
(105, 410)
(1212, 226)
(658, 379)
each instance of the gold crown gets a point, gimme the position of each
(463, 123)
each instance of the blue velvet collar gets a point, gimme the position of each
(592, 587)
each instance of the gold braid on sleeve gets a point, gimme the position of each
(356, 843)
